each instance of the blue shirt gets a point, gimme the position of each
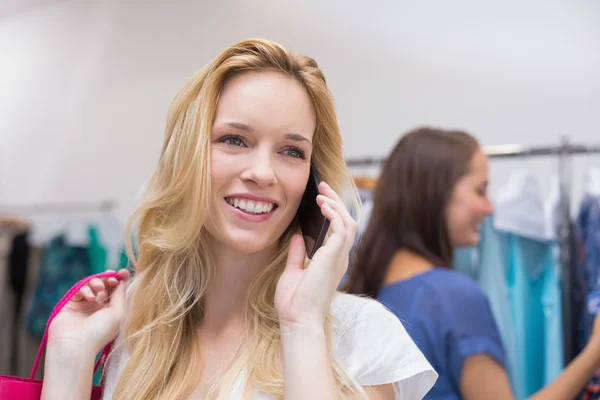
(449, 318)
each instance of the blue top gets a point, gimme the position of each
(449, 318)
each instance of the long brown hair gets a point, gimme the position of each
(409, 204)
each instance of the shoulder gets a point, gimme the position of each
(375, 349)
(453, 288)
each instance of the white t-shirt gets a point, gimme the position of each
(369, 341)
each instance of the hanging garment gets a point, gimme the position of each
(17, 264)
(588, 235)
(588, 248)
(102, 234)
(516, 267)
(6, 305)
(532, 282)
(62, 266)
(28, 345)
(535, 300)
(466, 261)
(97, 254)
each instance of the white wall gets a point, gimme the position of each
(84, 86)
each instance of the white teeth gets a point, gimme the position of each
(250, 206)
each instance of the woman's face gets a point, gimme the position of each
(469, 203)
(260, 159)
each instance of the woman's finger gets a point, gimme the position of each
(338, 237)
(111, 282)
(339, 207)
(124, 274)
(349, 223)
(325, 189)
(97, 285)
(87, 293)
(328, 192)
(296, 253)
(78, 296)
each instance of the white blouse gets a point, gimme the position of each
(369, 341)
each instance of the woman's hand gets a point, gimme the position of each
(303, 296)
(92, 318)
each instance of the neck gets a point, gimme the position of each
(226, 298)
(406, 264)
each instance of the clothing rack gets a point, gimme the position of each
(58, 207)
(564, 151)
(503, 151)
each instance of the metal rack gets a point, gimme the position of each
(565, 150)
(57, 207)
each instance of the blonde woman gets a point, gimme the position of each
(222, 305)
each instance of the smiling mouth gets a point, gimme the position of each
(251, 206)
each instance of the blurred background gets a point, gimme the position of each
(85, 87)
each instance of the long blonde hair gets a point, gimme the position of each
(173, 266)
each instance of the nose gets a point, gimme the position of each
(260, 169)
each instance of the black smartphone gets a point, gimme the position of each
(312, 222)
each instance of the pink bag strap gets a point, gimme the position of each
(66, 298)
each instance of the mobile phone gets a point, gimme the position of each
(312, 222)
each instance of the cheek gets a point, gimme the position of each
(461, 215)
(221, 169)
(294, 184)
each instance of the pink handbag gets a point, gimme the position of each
(15, 388)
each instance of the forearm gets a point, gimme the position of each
(308, 374)
(68, 373)
(572, 380)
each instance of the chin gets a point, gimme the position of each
(467, 241)
(248, 244)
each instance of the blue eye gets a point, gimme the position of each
(233, 141)
(295, 152)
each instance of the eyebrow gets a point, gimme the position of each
(297, 137)
(247, 128)
(240, 126)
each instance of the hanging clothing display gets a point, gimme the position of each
(62, 266)
(28, 345)
(535, 301)
(587, 230)
(40, 259)
(13, 259)
(515, 264)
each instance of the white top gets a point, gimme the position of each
(370, 342)
(592, 181)
(552, 210)
(519, 208)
